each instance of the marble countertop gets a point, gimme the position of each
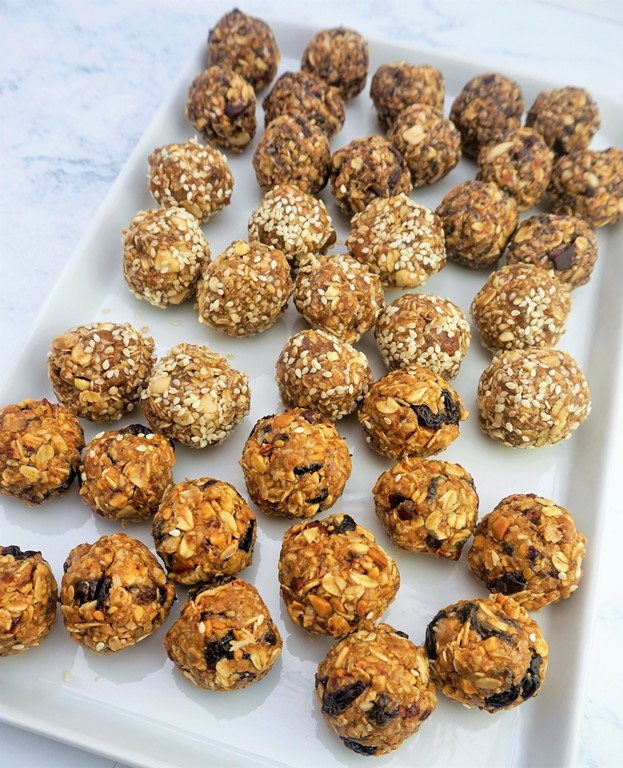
(79, 83)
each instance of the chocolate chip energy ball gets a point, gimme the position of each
(532, 398)
(486, 653)
(125, 473)
(245, 44)
(245, 289)
(530, 548)
(40, 445)
(340, 56)
(295, 464)
(398, 240)
(411, 414)
(567, 118)
(400, 84)
(28, 597)
(225, 638)
(334, 575)
(203, 530)
(374, 689)
(114, 593)
(99, 370)
(195, 397)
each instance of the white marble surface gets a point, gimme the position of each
(80, 81)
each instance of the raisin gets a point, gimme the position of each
(347, 524)
(360, 749)
(307, 470)
(450, 415)
(508, 584)
(246, 675)
(319, 498)
(207, 483)
(432, 488)
(394, 499)
(234, 109)
(281, 436)
(432, 542)
(246, 541)
(321, 680)
(94, 589)
(270, 638)
(337, 701)
(313, 417)
(380, 713)
(407, 510)
(400, 633)
(145, 595)
(17, 553)
(465, 611)
(136, 429)
(504, 698)
(507, 548)
(533, 555)
(218, 649)
(412, 710)
(532, 679)
(430, 642)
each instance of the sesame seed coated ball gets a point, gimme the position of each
(340, 56)
(398, 85)
(567, 118)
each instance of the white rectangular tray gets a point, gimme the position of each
(134, 706)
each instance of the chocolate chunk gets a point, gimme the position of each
(360, 749)
(337, 701)
(236, 108)
(219, 649)
(563, 259)
(245, 542)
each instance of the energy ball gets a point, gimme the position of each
(245, 289)
(316, 370)
(367, 169)
(400, 84)
(195, 397)
(191, 176)
(125, 473)
(28, 597)
(40, 445)
(245, 44)
(564, 245)
(164, 251)
(374, 689)
(398, 240)
(521, 306)
(567, 118)
(486, 653)
(528, 398)
(488, 106)
(340, 56)
(225, 638)
(528, 547)
(426, 505)
(411, 414)
(292, 150)
(422, 329)
(203, 530)
(338, 294)
(478, 219)
(221, 106)
(99, 370)
(334, 575)
(114, 593)
(295, 464)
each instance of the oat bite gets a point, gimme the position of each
(40, 445)
(423, 329)
(567, 118)
(114, 593)
(28, 597)
(341, 57)
(486, 653)
(245, 289)
(225, 638)
(195, 397)
(529, 398)
(374, 689)
(333, 575)
(530, 548)
(99, 370)
(204, 530)
(398, 85)
(295, 463)
(398, 240)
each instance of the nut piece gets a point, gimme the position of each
(567, 118)
(340, 56)
(400, 84)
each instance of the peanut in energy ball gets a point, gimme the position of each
(340, 56)
(567, 118)
(396, 86)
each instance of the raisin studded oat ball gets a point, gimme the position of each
(530, 548)
(28, 597)
(426, 505)
(191, 176)
(164, 251)
(423, 329)
(225, 637)
(529, 398)
(398, 240)
(295, 463)
(195, 397)
(317, 370)
(203, 530)
(245, 289)
(411, 414)
(339, 56)
(338, 294)
(221, 106)
(114, 593)
(488, 106)
(99, 370)
(365, 170)
(374, 689)
(400, 84)
(567, 118)
(521, 306)
(564, 245)
(125, 473)
(478, 219)
(40, 444)
(589, 184)
(245, 44)
(334, 575)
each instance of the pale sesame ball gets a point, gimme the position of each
(340, 56)
(396, 86)
(567, 118)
